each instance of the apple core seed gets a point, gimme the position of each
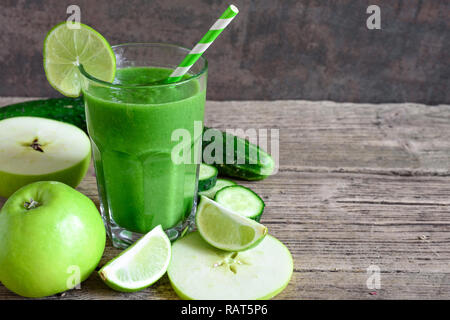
(231, 262)
(36, 146)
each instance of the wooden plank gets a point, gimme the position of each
(326, 136)
(356, 187)
(399, 138)
(335, 233)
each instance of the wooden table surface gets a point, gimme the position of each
(358, 185)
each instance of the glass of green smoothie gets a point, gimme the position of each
(131, 123)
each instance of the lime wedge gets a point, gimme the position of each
(200, 271)
(225, 229)
(140, 265)
(65, 49)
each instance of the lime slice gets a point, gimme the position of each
(140, 265)
(65, 49)
(200, 271)
(225, 229)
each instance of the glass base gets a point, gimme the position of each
(122, 238)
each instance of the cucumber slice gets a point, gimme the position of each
(252, 168)
(200, 271)
(241, 200)
(207, 177)
(220, 184)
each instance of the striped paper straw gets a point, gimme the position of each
(203, 44)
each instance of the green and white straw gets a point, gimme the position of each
(203, 44)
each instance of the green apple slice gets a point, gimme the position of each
(66, 47)
(199, 271)
(38, 149)
(227, 230)
(140, 265)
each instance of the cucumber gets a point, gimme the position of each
(253, 168)
(70, 110)
(241, 200)
(207, 177)
(220, 184)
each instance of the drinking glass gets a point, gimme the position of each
(140, 128)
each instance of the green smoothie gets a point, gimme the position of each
(131, 131)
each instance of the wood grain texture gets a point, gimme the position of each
(357, 185)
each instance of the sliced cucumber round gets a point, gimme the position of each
(220, 184)
(241, 200)
(200, 271)
(207, 177)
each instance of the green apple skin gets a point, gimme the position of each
(41, 246)
(72, 176)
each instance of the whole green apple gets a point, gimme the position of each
(51, 238)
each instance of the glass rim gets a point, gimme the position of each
(87, 75)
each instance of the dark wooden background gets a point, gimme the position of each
(312, 50)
